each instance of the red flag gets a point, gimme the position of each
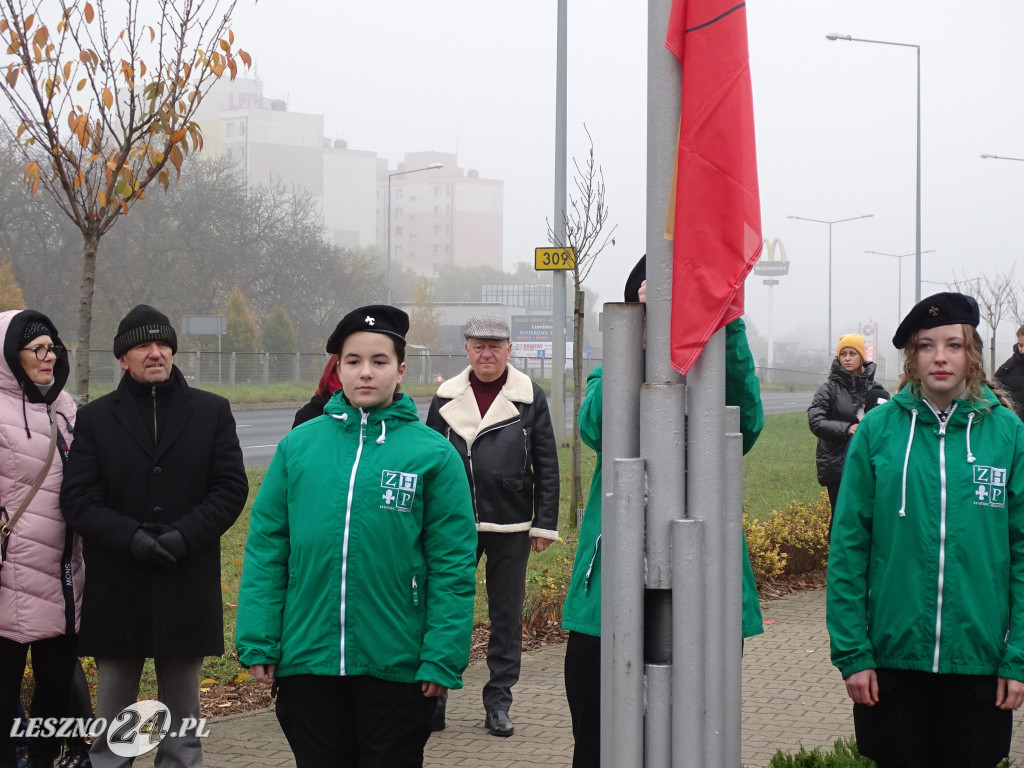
(717, 221)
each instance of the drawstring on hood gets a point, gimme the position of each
(906, 461)
(383, 433)
(943, 417)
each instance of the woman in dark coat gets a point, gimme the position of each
(837, 408)
(328, 385)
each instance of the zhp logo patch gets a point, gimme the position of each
(399, 490)
(990, 486)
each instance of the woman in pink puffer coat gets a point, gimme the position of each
(42, 573)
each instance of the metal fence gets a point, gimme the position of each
(232, 369)
(229, 369)
(264, 369)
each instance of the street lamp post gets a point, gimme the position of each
(899, 280)
(430, 167)
(831, 341)
(917, 233)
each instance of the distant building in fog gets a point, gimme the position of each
(443, 216)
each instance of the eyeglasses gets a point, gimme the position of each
(42, 351)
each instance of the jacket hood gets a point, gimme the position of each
(401, 411)
(13, 379)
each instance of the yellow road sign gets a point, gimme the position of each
(554, 258)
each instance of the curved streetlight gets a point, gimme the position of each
(917, 236)
(899, 281)
(430, 167)
(1000, 157)
(830, 223)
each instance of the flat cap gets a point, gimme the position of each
(940, 309)
(486, 327)
(375, 318)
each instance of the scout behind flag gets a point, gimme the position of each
(715, 211)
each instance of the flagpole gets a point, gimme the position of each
(558, 227)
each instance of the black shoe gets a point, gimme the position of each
(438, 723)
(498, 724)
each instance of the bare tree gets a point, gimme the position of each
(99, 114)
(585, 223)
(997, 298)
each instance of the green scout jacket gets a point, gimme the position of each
(582, 610)
(926, 569)
(361, 551)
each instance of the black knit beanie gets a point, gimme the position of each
(33, 330)
(141, 325)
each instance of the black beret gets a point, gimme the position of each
(636, 277)
(143, 324)
(940, 309)
(376, 318)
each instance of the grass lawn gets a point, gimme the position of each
(780, 467)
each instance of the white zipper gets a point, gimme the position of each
(344, 545)
(942, 536)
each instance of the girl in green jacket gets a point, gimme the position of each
(356, 601)
(925, 601)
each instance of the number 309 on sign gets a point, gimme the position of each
(554, 258)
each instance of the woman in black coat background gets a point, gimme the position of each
(837, 408)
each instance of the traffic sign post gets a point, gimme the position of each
(554, 258)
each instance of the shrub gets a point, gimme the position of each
(792, 542)
(844, 755)
(546, 590)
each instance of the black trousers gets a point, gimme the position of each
(53, 665)
(354, 721)
(583, 690)
(924, 720)
(505, 569)
(833, 495)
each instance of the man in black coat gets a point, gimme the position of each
(155, 477)
(1011, 374)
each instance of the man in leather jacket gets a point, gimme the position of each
(498, 420)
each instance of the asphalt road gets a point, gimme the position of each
(259, 430)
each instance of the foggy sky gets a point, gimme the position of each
(836, 131)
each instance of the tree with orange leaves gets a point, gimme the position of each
(99, 113)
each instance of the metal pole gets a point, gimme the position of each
(705, 451)
(558, 276)
(389, 239)
(622, 544)
(732, 578)
(831, 341)
(663, 398)
(688, 669)
(917, 259)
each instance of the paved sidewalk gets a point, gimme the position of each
(792, 695)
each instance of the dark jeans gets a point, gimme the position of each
(53, 664)
(354, 721)
(583, 690)
(833, 494)
(923, 720)
(505, 570)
